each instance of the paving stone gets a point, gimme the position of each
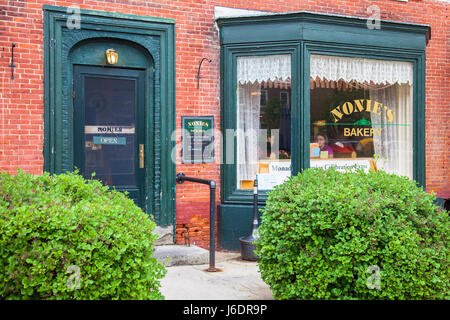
(176, 255)
(236, 279)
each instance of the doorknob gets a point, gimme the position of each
(141, 156)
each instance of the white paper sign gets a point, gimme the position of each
(280, 167)
(267, 181)
(341, 164)
(279, 171)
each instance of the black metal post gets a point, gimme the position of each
(180, 178)
(212, 226)
(255, 205)
(247, 243)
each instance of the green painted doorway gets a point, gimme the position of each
(109, 127)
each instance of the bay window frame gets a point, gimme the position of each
(230, 192)
(418, 61)
(302, 34)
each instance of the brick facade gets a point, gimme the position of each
(22, 105)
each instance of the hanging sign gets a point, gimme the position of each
(108, 129)
(110, 140)
(198, 139)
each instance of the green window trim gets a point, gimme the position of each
(302, 34)
(155, 35)
(230, 120)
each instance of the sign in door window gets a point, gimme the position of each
(109, 131)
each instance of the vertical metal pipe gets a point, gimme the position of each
(212, 226)
(180, 178)
(255, 204)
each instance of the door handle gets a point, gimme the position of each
(141, 156)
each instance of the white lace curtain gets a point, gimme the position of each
(395, 144)
(334, 68)
(270, 68)
(252, 73)
(247, 133)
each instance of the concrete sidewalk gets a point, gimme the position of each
(238, 279)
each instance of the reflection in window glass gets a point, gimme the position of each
(110, 130)
(361, 114)
(263, 98)
(263, 120)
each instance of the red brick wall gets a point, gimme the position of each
(21, 99)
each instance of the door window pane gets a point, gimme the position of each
(110, 143)
(361, 114)
(263, 120)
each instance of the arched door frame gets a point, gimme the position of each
(139, 34)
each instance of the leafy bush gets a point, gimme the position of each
(331, 235)
(62, 237)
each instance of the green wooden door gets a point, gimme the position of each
(109, 130)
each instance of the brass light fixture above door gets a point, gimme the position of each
(112, 56)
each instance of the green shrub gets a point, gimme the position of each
(62, 237)
(331, 235)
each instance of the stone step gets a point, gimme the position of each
(178, 255)
(165, 235)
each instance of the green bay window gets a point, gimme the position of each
(316, 90)
(260, 120)
(361, 114)
(263, 120)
